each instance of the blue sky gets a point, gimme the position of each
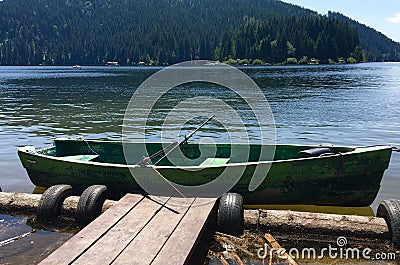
(383, 15)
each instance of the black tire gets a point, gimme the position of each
(90, 204)
(230, 218)
(390, 211)
(51, 202)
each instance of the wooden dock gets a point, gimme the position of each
(142, 230)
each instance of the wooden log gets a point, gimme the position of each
(26, 204)
(262, 220)
(316, 223)
(18, 203)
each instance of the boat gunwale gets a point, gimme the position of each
(354, 150)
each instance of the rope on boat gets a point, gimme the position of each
(145, 159)
(395, 149)
(11, 240)
(171, 184)
(167, 153)
(90, 148)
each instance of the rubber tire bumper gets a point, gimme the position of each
(51, 202)
(90, 204)
(390, 211)
(230, 217)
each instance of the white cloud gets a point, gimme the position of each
(395, 19)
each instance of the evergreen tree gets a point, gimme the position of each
(67, 32)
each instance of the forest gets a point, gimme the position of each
(376, 46)
(291, 40)
(131, 32)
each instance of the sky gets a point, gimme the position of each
(382, 15)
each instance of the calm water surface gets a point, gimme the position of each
(340, 104)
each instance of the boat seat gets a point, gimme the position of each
(314, 152)
(213, 161)
(80, 157)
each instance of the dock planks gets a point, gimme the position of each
(140, 230)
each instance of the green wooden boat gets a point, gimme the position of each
(341, 176)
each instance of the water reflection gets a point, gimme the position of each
(20, 244)
(341, 104)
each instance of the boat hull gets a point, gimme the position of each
(343, 179)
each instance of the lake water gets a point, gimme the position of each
(339, 104)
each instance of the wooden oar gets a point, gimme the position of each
(185, 140)
(173, 146)
(145, 160)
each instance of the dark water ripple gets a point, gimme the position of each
(339, 104)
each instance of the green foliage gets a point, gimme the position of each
(374, 46)
(231, 61)
(291, 61)
(275, 39)
(258, 62)
(358, 55)
(244, 62)
(290, 49)
(303, 60)
(351, 60)
(67, 32)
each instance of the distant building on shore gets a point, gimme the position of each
(112, 63)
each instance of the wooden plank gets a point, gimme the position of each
(271, 240)
(179, 247)
(144, 248)
(79, 243)
(236, 257)
(121, 234)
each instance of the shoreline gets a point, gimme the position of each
(255, 219)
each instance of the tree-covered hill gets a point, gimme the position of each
(288, 39)
(65, 32)
(377, 46)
